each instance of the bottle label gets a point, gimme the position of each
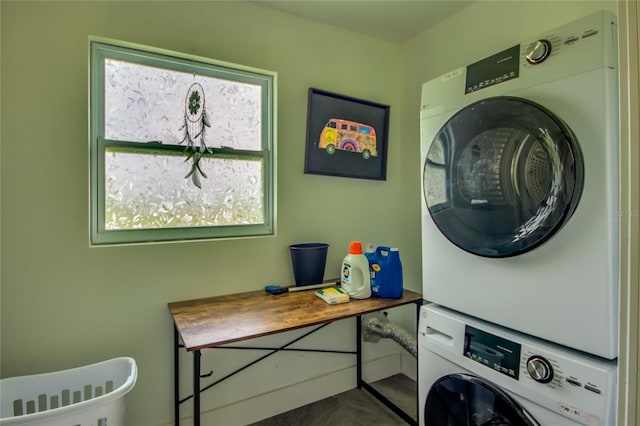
(374, 269)
(346, 273)
(354, 276)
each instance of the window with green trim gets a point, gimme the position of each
(181, 148)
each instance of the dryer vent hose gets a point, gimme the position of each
(378, 326)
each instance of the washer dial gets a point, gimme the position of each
(539, 369)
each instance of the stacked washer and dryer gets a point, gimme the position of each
(520, 234)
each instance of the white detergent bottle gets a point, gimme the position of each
(355, 278)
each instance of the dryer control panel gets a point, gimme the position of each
(566, 51)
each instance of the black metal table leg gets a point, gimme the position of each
(176, 377)
(196, 387)
(359, 351)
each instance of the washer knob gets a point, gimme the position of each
(539, 369)
(538, 51)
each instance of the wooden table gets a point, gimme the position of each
(220, 320)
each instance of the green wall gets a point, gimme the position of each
(64, 304)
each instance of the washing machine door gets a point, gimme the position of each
(502, 176)
(466, 400)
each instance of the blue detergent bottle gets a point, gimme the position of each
(388, 282)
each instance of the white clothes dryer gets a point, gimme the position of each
(521, 187)
(471, 372)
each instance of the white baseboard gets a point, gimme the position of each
(409, 366)
(290, 397)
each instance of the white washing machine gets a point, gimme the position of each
(521, 189)
(475, 373)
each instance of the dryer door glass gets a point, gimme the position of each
(502, 176)
(463, 399)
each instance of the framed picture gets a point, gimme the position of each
(346, 136)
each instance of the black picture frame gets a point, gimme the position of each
(348, 124)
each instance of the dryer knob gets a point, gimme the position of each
(539, 369)
(538, 51)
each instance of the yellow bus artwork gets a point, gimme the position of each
(348, 135)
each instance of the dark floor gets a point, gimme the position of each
(356, 407)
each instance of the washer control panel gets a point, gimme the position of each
(579, 386)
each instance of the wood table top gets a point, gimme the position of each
(215, 321)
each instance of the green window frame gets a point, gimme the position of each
(259, 158)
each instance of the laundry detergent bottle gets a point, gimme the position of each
(355, 273)
(389, 276)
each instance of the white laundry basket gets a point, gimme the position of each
(92, 395)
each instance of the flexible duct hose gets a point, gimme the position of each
(377, 326)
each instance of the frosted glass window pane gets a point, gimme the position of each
(146, 191)
(145, 103)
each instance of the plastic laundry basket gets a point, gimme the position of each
(92, 395)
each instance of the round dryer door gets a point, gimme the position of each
(502, 176)
(466, 400)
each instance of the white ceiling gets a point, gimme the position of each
(391, 20)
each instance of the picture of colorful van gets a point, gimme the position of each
(348, 135)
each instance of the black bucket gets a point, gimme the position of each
(308, 261)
